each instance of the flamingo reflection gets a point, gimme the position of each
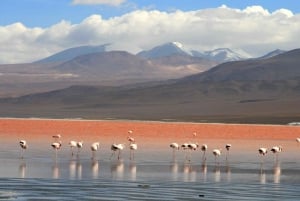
(204, 170)
(55, 171)
(277, 173)
(174, 170)
(72, 169)
(22, 169)
(262, 175)
(75, 169)
(189, 173)
(132, 170)
(95, 169)
(117, 169)
(217, 172)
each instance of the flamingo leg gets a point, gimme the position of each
(203, 156)
(112, 154)
(119, 154)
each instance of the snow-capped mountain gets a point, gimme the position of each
(224, 55)
(272, 54)
(172, 48)
(164, 50)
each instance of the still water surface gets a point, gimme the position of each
(153, 175)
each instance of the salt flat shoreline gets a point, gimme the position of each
(139, 121)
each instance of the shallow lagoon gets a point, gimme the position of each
(153, 175)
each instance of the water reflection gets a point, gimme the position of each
(189, 173)
(117, 169)
(228, 171)
(174, 167)
(217, 172)
(262, 174)
(72, 169)
(95, 169)
(75, 169)
(277, 173)
(204, 170)
(55, 171)
(79, 169)
(132, 170)
(22, 169)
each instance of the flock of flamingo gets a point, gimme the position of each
(188, 148)
(56, 145)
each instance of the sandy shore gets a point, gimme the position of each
(151, 132)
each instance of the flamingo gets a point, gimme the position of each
(227, 146)
(56, 137)
(72, 144)
(262, 151)
(117, 147)
(130, 139)
(56, 146)
(192, 147)
(174, 146)
(276, 150)
(24, 146)
(94, 147)
(204, 149)
(298, 139)
(79, 146)
(132, 148)
(217, 153)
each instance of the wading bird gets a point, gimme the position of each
(24, 146)
(117, 147)
(56, 146)
(79, 146)
(94, 147)
(227, 147)
(174, 146)
(129, 138)
(132, 147)
(276, 150)
(217, 153)
(72, 144)
(204, 149)
(56, 137)
(192, 147)
(262, 151)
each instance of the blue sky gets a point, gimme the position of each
(43, 13)
(34, 29)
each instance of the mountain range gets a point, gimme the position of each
(262, 90)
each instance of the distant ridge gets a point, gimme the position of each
(71, 53)
(249, 91)
(272, 54)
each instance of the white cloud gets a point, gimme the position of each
(253, 29)
(92, 2)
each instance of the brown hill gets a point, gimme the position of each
(272, 96)
(114, 68)
(285, 66)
